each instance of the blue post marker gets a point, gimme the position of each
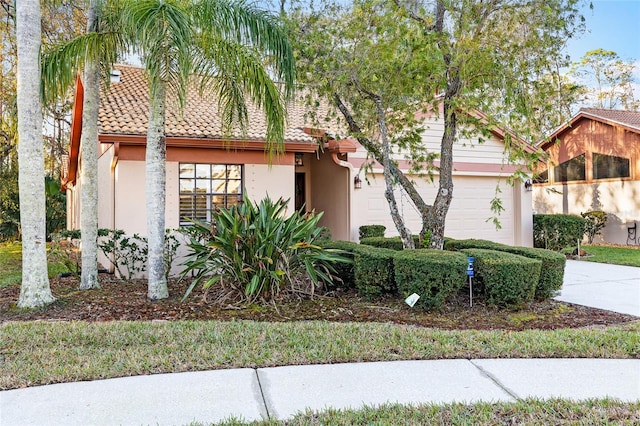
(470, 275)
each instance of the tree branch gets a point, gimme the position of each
(406, 184)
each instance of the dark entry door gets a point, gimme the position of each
(301, 192)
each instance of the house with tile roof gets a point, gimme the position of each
(318, 170)
(594, 164)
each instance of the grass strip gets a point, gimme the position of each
(525, 412)
(36, 353)
(11, 265)
(614, 255)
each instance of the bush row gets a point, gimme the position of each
(551, 276)
(505, 275)
(433, 274)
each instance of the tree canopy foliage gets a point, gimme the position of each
(451, 58)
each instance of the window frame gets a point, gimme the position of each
(204, 189)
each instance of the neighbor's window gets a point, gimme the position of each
(570, 170)
(542, 177)
(609, 166)
(207, 187)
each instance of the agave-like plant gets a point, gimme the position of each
(255, 252)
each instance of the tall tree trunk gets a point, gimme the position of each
(406, 184)
(435, 220)
(35, 290)
(89, 173)
(398, 220)
(155, 191)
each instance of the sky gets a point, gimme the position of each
(611, 25)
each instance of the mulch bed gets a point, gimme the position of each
(118, 300)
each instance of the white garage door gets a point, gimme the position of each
(469, 214)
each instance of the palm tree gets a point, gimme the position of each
(91, 54)
(35, 290)
(231, 49)
(89, 171)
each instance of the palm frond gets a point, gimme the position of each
(61, 64)
(245, 23)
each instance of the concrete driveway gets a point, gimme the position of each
(599, 285)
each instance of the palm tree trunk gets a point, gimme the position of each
(89, 173)
(35, 290)
(155, 191)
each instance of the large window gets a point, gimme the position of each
(609, 166)
(207, 187)
(570, 170)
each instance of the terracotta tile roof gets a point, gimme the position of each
(628, 118)
(124, 110)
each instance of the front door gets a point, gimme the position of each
(301, 193)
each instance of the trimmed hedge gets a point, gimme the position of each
(551, 276)
(507, 279)
(435, 275)
(394, 243)
(367, 231)
(374, 271)
(344, 271)
(391, 243)
(557, 231)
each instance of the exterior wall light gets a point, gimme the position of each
(528, 186)
(357, 183)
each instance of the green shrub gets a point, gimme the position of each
(595, 222)
(506, 279)
(434, 275)
(557, 231)
(127, 254)
(344, 270)
(255, 252)
(66, 253)
(553, 263)
(456, 245)
(367, 231)
(394, 243)
(552, 272)
(374, 271)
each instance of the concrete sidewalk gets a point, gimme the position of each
(280, 392)
(599, 285)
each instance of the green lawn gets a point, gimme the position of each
(11, 265)
(525, 412)
(35, 353)
(615, 255)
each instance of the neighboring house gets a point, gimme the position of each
(594, 164)
(207, 169)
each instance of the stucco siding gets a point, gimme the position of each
(105, 189)
(130, 208)
(275, 181)
(330, 188)
(620, 199)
